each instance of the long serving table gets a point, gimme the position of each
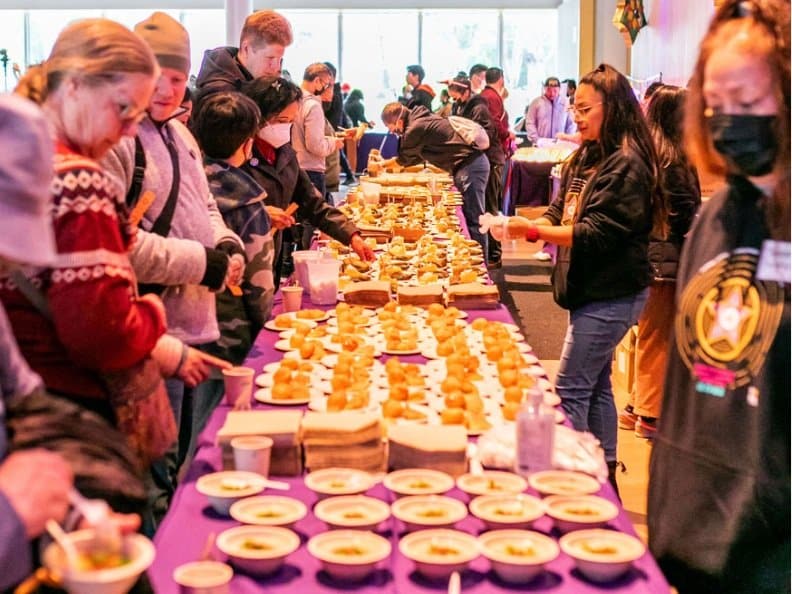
(190, 520)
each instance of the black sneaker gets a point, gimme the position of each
(350, 181)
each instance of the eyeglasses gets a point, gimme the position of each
(129, 117)
(582, 111)
(554, 86)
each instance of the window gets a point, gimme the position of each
(12, 32)
(454, 40)
(315, 40)
(530, 45)
(45, 25)
(207, 31)
(378, 46)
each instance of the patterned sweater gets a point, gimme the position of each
(97, 323)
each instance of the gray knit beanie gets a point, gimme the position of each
(168, 39)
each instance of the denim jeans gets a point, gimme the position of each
(584, 374)
(471, 181)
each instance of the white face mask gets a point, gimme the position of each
(276, 134)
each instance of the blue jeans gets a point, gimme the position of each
(584, 374)
(471, 181)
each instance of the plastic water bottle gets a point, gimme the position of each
(535, 431)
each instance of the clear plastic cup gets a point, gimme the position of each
(301, 258)
(323, 280)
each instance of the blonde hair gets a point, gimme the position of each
(98, 50)
(265, 27)
(758, 28)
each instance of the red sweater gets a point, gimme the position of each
(498, 113)
(98, 324)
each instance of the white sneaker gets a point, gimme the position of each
(542, 256)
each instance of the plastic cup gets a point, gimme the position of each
(301, 258)
(292, 298)
(371, 192)
(238, 383)
(252, 454)
(323, 281)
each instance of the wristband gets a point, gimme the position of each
(532, 234)
(182, 359)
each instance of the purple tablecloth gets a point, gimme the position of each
(184, 531)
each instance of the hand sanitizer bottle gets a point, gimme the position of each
(535, 430)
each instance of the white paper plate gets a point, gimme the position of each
(265, 395)
(270, 324)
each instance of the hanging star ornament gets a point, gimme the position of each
(629, 19)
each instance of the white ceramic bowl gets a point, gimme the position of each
(602, 555)
(517, 556)
(579, 512)
(356, 512)
(225, 488)
(349, 555)
(269, 510)
(115, 580)
(203, 577)
(439, 553)
(259, 550)
(507, 511)
(331, 482)
(418, 481)
(419, 512)
(563, 482)
(491, 482)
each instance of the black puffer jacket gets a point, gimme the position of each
(477, 109)
(608, 258)
(429, 137)
(285, 182)
(220, 71)
(683, 194)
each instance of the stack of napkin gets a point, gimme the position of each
(439, 447)
(473, 296)
(348, 439)
(283, 426)
(368, 293)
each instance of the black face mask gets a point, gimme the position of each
(748, 142)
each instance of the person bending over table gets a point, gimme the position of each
(426, 136)
(601, 221)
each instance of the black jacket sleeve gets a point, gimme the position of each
(319, 213)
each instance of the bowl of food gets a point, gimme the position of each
(349, 555)
(491, 482)
(517, 556)
(225, 488)
(563, 482)
(203, 577)
(331, 482)
(418, 481)
(579, 512)
(419, 512)
(439, 553)
(258, 550)
(507, 511)
(269, 510)
(99, 571)
(602, 555)
(354, 512)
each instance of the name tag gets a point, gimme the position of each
(774, 262)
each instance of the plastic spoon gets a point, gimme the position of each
(99, 515)
(455, 583)
(56, 532)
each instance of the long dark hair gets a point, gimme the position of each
(624, 129)
(665, 117)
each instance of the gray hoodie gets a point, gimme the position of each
(180, 260)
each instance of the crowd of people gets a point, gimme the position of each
(146, 229)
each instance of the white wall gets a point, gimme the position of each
(569, 39)
(669, 44)
(609, 44)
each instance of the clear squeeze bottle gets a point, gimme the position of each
(535, 429)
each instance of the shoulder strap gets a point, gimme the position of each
(33, 294)
(163, 223)
(138, 174)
